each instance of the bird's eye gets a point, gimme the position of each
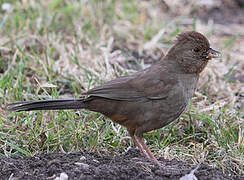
(196, 49)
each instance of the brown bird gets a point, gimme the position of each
(147, 100)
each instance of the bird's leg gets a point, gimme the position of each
(148, 152)
(139, 146)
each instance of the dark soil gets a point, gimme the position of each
(129, 165)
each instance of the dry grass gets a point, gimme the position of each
(61, 48)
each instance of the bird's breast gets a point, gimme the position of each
(187, 85)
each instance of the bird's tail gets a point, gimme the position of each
(46, 105)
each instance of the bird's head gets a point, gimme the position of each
(192, 52)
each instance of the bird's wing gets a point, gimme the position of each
(151, 83)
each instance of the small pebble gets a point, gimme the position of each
(95, 160)
(82, 158)
(63, 176)
(190, 176)
(83, 165)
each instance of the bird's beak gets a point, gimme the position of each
(213, 54)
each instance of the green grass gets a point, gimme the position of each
(62, 48)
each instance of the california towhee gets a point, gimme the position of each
(147, 100)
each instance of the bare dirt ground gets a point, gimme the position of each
(129, 165)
